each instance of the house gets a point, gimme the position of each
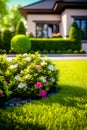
(51, 16)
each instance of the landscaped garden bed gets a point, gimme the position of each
(25, 78)
(66, 110)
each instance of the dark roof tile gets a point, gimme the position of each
(43, 4)
(74, 1)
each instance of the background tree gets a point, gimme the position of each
(20, 28)
(3, 8)
(11, 19)
(75, 33)
(3, 11)
(0, 40)
(6, 36)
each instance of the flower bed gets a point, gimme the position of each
(27, 76)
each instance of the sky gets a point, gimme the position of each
(21, 2)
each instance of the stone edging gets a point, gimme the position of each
(56, 55)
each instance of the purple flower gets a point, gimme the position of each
(2, 94)
(38, 85)
(43, 93)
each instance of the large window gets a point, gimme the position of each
(82, 23)
(46, 30)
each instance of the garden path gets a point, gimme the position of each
(60, 56)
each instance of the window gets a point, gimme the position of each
(46, 30)
(82, 23)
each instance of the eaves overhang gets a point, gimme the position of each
(25, 12)
(59, 7)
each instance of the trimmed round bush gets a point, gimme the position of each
(31, 51)
(64, 52)
(59, 52)
(76, 52)
(3, 51)
(45, 52)
(39, 51)
(20, 44)
(69, 51)
(52, 51)
(12, 52)
(82, 52)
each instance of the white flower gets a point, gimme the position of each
(22, 85)
(13, 66)
(22, 72)
(25, 54)
(43, 63)
(51, 67)
(17, 78)
(52, 79)
(43, 79)
(28, 59)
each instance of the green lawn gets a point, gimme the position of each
(65, 111)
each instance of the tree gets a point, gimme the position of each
(3, 11)
(11, 19)
(75, 33)
(6, 36)
(3, 8)
(20, 28)
(0, 40)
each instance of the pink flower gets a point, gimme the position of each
(2, 94)
(43, 93)
(38, 67)
(38, 85)
(28, 33)
(58, 33)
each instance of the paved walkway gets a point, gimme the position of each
(60, 56)
(67, 56)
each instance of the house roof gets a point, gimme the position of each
(51, 6)
(74, 1)
(43, 4)
(59, 7)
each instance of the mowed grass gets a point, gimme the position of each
(66, 110)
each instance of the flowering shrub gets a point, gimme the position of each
(31, 76)
(4, 92)
(56, 35)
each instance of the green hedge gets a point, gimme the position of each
(53, 44)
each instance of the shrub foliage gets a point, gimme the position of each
(20, 28)
(20, 43)
(28, 75)
(75, 33)
(6, 36)
(54, 44)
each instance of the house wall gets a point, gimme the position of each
(67, 20)
(84, 46)
(32, 18)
